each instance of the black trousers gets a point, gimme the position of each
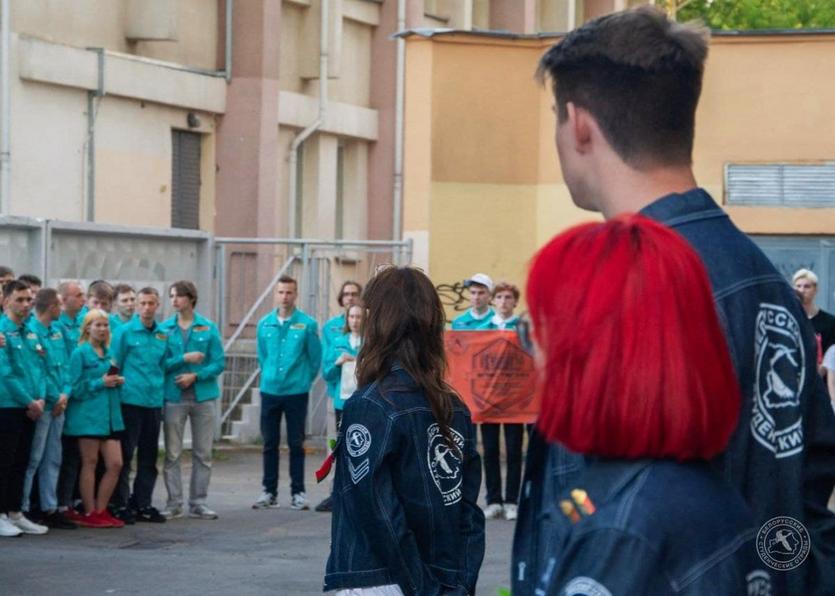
(16, 432)
(141, 435)
(68, 476)
(513, 434)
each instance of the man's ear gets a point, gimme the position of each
(582, 124)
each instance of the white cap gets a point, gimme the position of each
(481, 279)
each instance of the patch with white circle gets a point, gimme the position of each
(778, 381)
(585, 586)
(783, 543)
(445, 463)
(358, 440)
(759, 583)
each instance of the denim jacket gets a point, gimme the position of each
(404, 502)
(651, 527)
(781, 458)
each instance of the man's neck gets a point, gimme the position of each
(70, 314)
(504, 316)
(283, 313)
(480, 311)
(627, 190)
(149, 323)
(125, 318)
(185, 318)
(18, 321)
(811, 309)
(44, 319)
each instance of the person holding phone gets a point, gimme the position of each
(94, 416)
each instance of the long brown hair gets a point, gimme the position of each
(405, 325)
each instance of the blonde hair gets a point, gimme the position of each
(805, 273)
(93, 315)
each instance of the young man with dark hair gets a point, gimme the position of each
(124, 299)
(33, 281)
(480, 287)
(22, 391)
(6, 275)
(626, 87)
(100, 295)
(195, 361)
(138, 348)
(290, 354)
(349, 294)
(45, 459)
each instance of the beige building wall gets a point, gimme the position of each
(144, 100)
(483, 187)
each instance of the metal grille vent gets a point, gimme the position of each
(185, 180)
(809, 185)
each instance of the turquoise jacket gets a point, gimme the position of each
(71, 328)
(116, 322)
(289, 355)
(332, 330)
(492, 325)
(203, 336)
(467, 322)
(56, 359)
(331, 372)
(22, 367)
(93, 409)
(140, 353)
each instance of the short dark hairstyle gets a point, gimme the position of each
(6, 271)
(122, 289)
(32, 280)
(286, 279)
(504, 286)
(640, 75)
(12, 286)
(341, 295)
(149, 290)
(186, 288)
(45, 299)
(100, 289)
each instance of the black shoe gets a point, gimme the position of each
(126, 515)
(150, 515)
(57, 521)
(325, 506)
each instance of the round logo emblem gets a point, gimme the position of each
(585, 586)
(445, 463)
(357, 439)
(783, 543)
(779, 379)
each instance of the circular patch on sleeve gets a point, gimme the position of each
(358, 440)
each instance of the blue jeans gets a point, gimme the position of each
(272, 409)
(45, 461)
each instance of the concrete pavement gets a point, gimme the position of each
(245, 552)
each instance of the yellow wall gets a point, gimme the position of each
(483, 188)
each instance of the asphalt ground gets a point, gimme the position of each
(277, 551)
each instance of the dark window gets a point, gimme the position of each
(185, 180)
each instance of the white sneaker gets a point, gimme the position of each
(267, 500)
(510, 512)
(173, 512)
(7, 528)
(201, 512)
(26, 525)
(299, 502)
(493, 511)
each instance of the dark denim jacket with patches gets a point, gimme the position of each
(781, 458)
(404, 501)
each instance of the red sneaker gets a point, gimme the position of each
(73, 515)
(114, 522)
(93, 520)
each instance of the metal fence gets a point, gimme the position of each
(248, 271)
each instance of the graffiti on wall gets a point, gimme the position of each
(453, 295)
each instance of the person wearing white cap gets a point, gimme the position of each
(481, 292)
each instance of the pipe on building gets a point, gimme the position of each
(227, 61)
(313, 126)
(92, 112)
(5, 109)
(397, 198)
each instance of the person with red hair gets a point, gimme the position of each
(635, 374)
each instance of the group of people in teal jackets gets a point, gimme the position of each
(291, 355)
(500, 316)
(80, 384)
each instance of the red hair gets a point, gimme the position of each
(635, 363)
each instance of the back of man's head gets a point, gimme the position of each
(640, 75)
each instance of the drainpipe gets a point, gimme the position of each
(92, 112)
(227, 62)
(5, 110)
(316, 124)
(397, 199)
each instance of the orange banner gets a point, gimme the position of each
(493, 374)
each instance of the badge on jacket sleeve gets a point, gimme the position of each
(445, 463)
(358, 442)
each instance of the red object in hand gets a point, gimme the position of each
(325, 468)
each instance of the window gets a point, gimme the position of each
(781, 184)
(185, 180)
